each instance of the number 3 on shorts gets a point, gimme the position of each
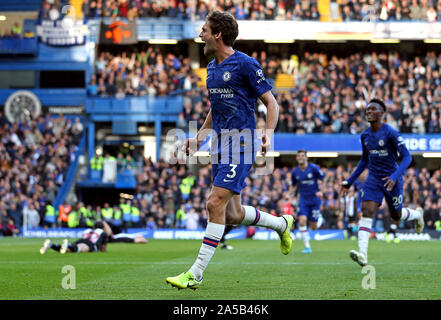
(233, 171)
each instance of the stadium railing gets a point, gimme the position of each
(71, 173)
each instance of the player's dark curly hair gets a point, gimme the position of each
(380, 102)
(224, 23)
(98, 224)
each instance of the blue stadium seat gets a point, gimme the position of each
(22, 5)
(96, 175)
(50, 219)
(18, 46)
(125, 179)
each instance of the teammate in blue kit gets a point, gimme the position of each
(381, 145)
(235, 81)
(306, 178)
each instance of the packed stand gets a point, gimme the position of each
(53, 9)
(198, 10)
(34, 158)
(344, 10)
(390, 10)
(170, 196)
(329, 94)
(145, 73)
(329, 97)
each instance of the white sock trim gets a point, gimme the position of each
(263, 219)
(304, 235)
(365, 224)
(408, 214)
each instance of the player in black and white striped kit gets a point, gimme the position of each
(93, 240)
(127, 238)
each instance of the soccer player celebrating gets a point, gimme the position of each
(307, 176)
(93, 240)
(381, 145)
(234, 81)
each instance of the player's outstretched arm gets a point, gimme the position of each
(192, 145)
(293, 184)
(322, 181)
(391, 180)
(272, 117)
(406, 158)
(206, 126)
(107, 229)
(292, 190)
(362, 164)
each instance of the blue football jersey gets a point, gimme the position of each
(381, 150)
(234, 86)
(307, 180)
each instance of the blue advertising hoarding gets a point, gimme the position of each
(238, 233)
(235, 234)
(349, 143)
(286, 143)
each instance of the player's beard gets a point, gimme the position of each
(209, 50)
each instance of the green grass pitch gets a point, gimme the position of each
(254, 270)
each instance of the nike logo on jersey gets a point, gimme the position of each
(225, 180)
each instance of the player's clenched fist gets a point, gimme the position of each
(344, 187)
(190, 146)
(266, 143)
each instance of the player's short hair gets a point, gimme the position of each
(302, 151)
(98, 224)
(378, 101)
(224, 23)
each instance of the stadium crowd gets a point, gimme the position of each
(344, 10)
(145, 73)
(170, 196)
(328, 96)
(34, 158)
(52, 9)
(198, 10)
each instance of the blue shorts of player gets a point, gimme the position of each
(374, 190)
(231, 175)
(310, 208)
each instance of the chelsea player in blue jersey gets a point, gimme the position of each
(235, 81)
(381, 145)
(306, 177)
